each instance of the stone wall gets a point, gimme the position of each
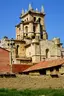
(54, 50)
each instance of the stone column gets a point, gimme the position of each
(35, 51)
(30, 30)
(21, 31)
(38, 31)
(17, 32)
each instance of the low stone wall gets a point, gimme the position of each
(32, 82)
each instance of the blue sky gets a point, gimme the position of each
(10, 11)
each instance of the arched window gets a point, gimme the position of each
(17, 50)
(26, 30)
(47, 53)
(39, 19)
(34, 19)
(27, 19)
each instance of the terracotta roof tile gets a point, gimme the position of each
(45, 64)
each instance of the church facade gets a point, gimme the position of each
(31, 44)
(31, 29)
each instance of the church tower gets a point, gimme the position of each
(31, 25)
(32, 44)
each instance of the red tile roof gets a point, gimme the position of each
(45, 64)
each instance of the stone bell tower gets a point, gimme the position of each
(31, 25)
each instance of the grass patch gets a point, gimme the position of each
(27, 92)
